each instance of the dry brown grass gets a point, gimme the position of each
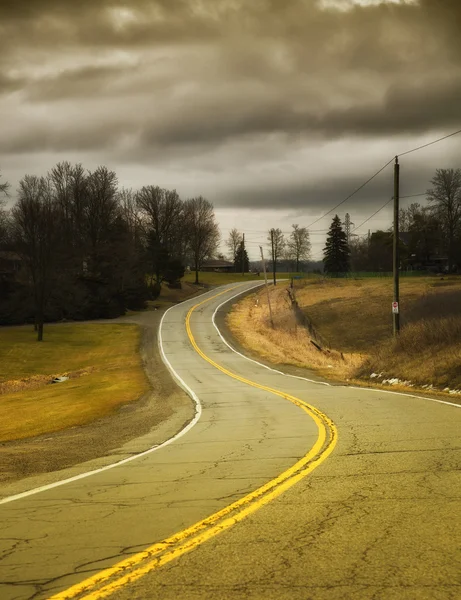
(287, 343)
(427, 352)
(354, 318)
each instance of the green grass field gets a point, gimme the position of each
(207, 278)
(102, 361)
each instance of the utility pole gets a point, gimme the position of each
(396, 261)
(273, 256)
(267, 285)
(347, 228)
(243, 255)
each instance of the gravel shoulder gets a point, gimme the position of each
(135, 427)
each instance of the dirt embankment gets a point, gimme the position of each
(351, 321)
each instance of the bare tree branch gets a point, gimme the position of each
(299, 245)
(445, 196)
(202, 229)
(277, 245)
(233, 242)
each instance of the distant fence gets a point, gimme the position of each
(360, 275)
(364, 274)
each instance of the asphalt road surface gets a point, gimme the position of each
(281, 488)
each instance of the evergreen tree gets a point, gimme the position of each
(238, 259)
(336, 254)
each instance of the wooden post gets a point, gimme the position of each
(267, 287)
(396, 257)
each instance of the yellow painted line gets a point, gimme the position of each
(140, 564)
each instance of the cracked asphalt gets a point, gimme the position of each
(379, 519)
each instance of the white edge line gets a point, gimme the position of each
(198, 406)
(188, 427)
(251, 359)
(313, 380)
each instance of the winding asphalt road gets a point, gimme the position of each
(282, 488)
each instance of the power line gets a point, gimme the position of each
(267, 231)
(353, 193)
(414, 195)
(371, 179)
(375, 213)
(445, 137)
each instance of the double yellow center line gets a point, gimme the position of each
(110, 580)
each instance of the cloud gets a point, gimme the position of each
(243, 101)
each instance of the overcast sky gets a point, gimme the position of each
(274, 110)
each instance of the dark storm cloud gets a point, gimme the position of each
(178, 80)
(84, 135)
(430, 105)
(404, 109)
(76, 83)
(314, 196)
(10, 84)
(287, 63)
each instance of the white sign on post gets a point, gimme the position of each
(395, 308)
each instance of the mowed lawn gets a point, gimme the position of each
(212, 278)
(103, 363)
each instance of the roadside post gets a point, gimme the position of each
(267, 286)
(396, 258)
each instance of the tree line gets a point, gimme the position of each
(430, 236)
(293, 249)
(91, 249)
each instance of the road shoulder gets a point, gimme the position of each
(221, 323)
(134, 428)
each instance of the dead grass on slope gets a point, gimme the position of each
(428, 352)
(353, 321)
(288, 343)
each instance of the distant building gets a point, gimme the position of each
(429, 257)
(10, 264)
(218, 266)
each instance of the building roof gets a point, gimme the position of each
(217, 264)
(9, 255)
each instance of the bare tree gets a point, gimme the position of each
(277, 245)
(100, 214)
(130, 214)
(162, 211)
(233, 243)
(406, 216)
(37, 232)
(202, 230)
(299, 245)
(4, 187)
(3, 223)
(69, 185)
(3, 213)
(445, 196)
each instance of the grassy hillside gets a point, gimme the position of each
(101, 360)
(212, 278)
(353, 322)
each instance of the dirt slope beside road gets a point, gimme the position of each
(352, 325)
